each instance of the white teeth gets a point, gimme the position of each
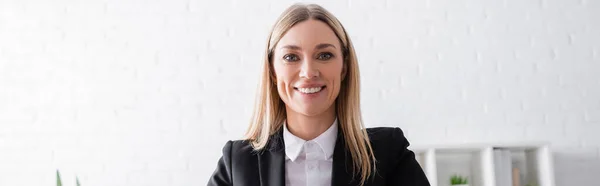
(309, 90)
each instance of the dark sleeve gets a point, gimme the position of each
(222, 175)
(406, 169)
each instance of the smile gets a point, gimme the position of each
(310, 90)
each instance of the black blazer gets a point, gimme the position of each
(240, 165)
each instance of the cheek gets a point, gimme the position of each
(334, 72)
(282, 83)
(282, 76)
(335, 77)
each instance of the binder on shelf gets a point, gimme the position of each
(516, 177)
(503, 167)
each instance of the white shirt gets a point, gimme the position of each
(309, 163)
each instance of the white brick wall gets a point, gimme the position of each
(146, 92)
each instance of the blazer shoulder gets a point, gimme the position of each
(237, 157)
(241, 148)
(387, 135)
(241, 153)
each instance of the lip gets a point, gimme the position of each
(311, 96)
(310, 85)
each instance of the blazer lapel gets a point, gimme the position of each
(342, 164)
(271, 162)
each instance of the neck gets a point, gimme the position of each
(309, 127)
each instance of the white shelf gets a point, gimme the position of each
(480, 163)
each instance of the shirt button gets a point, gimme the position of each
(311, 167)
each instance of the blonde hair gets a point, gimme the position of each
(269, 110)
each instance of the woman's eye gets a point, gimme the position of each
(325, 56)
(290, 57)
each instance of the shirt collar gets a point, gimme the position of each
(326, 141)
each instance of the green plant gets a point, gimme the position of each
(531, 183)
(59, 181)
(458, 180)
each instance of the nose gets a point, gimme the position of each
(309, 69)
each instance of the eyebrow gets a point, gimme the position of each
(319, 46)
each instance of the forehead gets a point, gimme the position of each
(307, 34)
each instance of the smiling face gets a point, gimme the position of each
(309, 67)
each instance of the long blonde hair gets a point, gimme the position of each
(269, 110)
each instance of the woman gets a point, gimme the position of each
(306, 127)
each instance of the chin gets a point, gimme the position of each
(311, 111)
